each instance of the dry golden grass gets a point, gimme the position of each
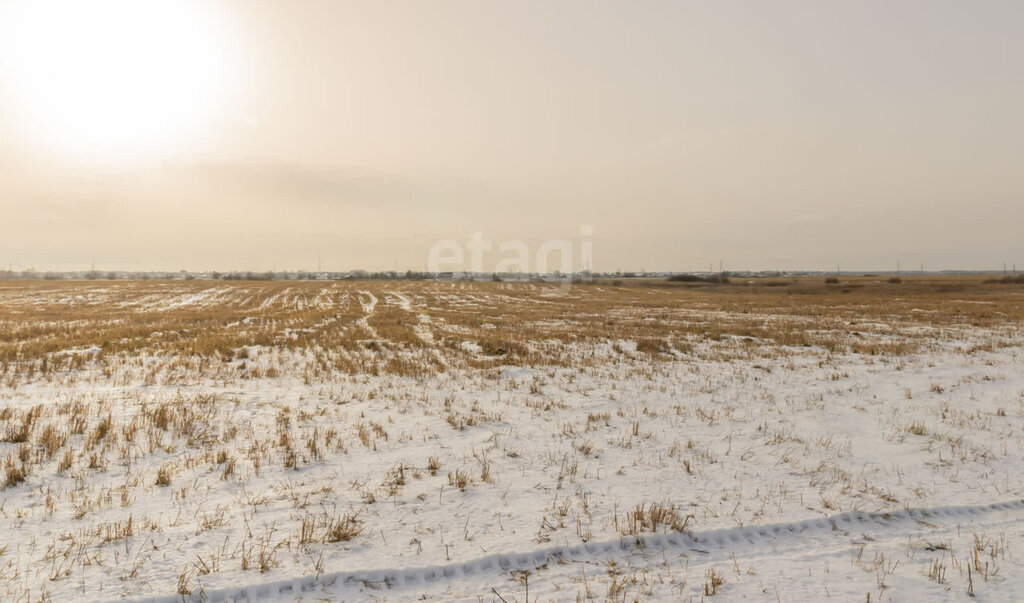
(417, 329)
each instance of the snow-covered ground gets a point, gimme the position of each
(797, 474)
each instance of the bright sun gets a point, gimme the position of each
(113, 75)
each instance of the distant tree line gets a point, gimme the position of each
(249, 275)
(722, 277)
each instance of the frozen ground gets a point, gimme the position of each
(795, 473)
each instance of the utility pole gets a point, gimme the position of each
(897, 267)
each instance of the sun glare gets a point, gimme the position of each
(113, 75)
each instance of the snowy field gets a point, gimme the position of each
(774, 441)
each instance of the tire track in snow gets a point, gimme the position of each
(422, 327)
(403, 301)
(741, 539)
(369, 306)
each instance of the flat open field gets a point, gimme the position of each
(773, 440)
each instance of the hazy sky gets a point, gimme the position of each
(255, 134)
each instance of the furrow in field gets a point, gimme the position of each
(727, 543)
